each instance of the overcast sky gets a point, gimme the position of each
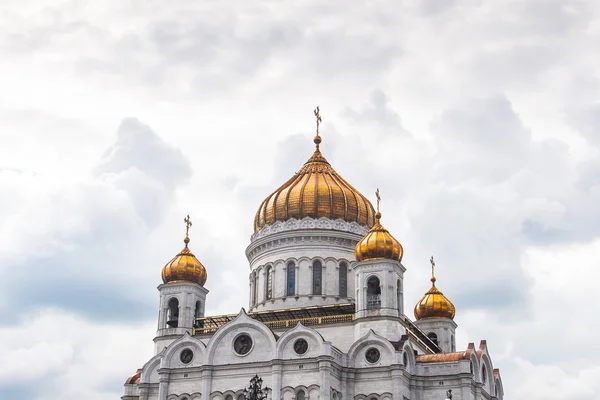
(478, 120)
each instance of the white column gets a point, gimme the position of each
(206, 379)
(276, 371)
(297, 279)
(325, 372)
(163, 385)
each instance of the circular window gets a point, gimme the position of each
(372, 355)
(186, 356)
(300, 346)
(242, 344)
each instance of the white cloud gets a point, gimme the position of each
(478, 121)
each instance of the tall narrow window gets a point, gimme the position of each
(269, 283)
(373, 293)
(343, 280)
(291, 279)
(317, 277)
(254, 288)
(300, 395)
(398, 296)
(173, 313)
(198, 310)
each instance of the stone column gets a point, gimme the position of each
(344, 384)
(349, 387)
(276, 373)
(325, 372)
(163, 385)
(206, 379)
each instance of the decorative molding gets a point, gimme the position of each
(299, 240)
(309, 223)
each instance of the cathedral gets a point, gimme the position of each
(325, 319)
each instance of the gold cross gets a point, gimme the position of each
(319, 119)
(188, 223)
(432, 261)
(378, 198)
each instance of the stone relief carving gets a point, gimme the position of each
(310, 223)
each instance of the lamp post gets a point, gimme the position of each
(256, 391)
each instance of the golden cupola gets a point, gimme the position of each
(434, 304)
(315, 191)
(185, 267)
(378, 243)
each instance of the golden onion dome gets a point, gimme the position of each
(378, 243)
(315, 191)
(434, 304)
(185, 267)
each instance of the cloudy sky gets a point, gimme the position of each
(478, 120)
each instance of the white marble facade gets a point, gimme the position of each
(373, 354)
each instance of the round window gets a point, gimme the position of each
(186, 356)
(300, 346)
(372, 355)
(242, 344)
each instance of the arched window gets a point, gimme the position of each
(343, 280)
(471, 367)
(229, 397)
(173, 313)
(269, 294)
(483, 374)
(241, 397)
(300, 395)
(452, 346)
(433, 337)
(198, 310)
(317, 277)
(373, 293)
(405, 359)
(398, 296)
(254, 284)
(291, 279)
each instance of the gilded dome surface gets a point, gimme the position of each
(434, 305)
(315, 191)
(184, 267)
(378, 244)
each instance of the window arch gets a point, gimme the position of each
(300, 395)
(198, 310)
(343, 278)
(483, 374)
(317, 277)
(269, 285)
(229, 397)
(433, 337)
(452, 344)
(291, 279)
(173, 313)
(254, 284)
(398, 296)
(373, 293)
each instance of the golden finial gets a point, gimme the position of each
(432, 261)
(188, 223)
(317, 138)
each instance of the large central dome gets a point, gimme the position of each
(315, 191)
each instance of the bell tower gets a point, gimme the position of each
(379, 276)
(435, 316)
(182, 294)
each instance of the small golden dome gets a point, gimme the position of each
(315, 191)
(378, 243)
(434, 304)
(185, 267)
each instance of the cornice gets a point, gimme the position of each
(301, 239)
(310, 223)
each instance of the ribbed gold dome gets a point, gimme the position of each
(434, 304)
(378, 244)
(315, 191)
(185, 267)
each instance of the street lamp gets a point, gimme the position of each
(256, 391)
